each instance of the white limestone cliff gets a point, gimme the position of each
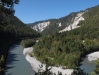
(76, 20)
(40, 26)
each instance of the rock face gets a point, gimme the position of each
(41, 26)
(66, 23)
(93, 56)
(59, 24)
(74, 25)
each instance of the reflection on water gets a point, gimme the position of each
(87, 65)
(16, 62)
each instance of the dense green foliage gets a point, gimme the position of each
(67, 48)
(28, 42)
(96, 70)
(9, 4)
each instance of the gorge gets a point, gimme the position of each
(62, 42)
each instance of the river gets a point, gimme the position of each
(16, 63)
(87, 66)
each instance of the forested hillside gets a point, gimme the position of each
(69, 47)
(12, 30)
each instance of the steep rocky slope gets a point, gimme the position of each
(66, 23)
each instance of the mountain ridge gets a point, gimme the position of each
(59, 25)
(55, 25)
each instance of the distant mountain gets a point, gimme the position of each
(62, 24)
(66, 23)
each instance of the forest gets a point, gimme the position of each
(61, 49)
(66, 49)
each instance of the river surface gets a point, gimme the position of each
(16, 63)
(87, 66)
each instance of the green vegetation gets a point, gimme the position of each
(65, 49)
(69, 47)
(96, 70)
(9, 5)
(28, 42)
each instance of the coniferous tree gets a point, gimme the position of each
(9, 5)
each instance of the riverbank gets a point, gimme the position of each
(35, 63)
(93, 56)
(88, 62)
(16, 63)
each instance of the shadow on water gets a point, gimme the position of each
(11, 58)
(16, 63)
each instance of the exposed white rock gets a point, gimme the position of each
(59, 24)
(93, 56)
(37, 40)
(40, 26)
(76, 20)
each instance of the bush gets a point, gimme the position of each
(28, 42)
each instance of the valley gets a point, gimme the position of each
(56, 46)
(72, 43)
